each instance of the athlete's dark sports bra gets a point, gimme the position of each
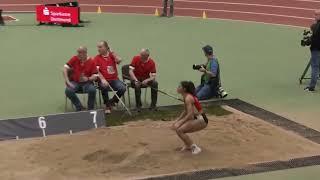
(198, 106)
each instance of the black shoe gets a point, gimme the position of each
(139, 109)
(309, 89)
(163, 15)
(153, 108)
(111, 103)
(80, 108)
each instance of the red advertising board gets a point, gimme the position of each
(59, 15)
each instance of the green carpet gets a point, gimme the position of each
(260, 63)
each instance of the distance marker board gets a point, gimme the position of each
(42, 126)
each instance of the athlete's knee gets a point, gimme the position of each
(179, 130)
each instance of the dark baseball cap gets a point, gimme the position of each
(207, 49)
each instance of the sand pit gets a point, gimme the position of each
(147, 148)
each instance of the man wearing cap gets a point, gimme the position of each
(143, 74)
(79, 73)
(210, 79)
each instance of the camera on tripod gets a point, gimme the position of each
(306, 39)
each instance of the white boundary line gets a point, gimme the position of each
(222, 19)
(197, 1)
(210, 10)
(16, 19)
(245, 4)
(289, 1)
(313, 1)
(199, 9)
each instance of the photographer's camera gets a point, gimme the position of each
(198, 66)
(306, 39)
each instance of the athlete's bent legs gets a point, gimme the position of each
(189, 127)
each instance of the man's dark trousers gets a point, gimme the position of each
(165, 5)
(154, 93)
(117, 86)
(1, 18)
(88, 88)
(315, 62)
(315, 54)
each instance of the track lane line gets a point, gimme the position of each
(205, 2)
(195, 9)
(193, 17)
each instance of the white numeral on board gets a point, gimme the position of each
(94, 118)
(42, 125)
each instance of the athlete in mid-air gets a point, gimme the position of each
(192, 119)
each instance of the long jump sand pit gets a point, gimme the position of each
(149, 148)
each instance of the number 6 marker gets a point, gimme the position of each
(42, 125)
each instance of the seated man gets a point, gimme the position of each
(106, 62)
(83, 72)
(210, 80)
(143, 73)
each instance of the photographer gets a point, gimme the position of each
(210, 80)
(315, 52)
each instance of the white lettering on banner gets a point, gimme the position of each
(60, 20)
(46, 11)
(60, 14)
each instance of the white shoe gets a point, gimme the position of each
(185, 148)
(195, 149)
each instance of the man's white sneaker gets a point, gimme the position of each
(195, 149)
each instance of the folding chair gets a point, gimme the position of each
(84, 97)
(127, 81)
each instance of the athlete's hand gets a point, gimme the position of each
(176, 125)
(172, 127)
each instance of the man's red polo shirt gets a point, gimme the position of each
(107, 66)
(142, 69)
(86, 68)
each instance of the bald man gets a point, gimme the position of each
(315, 52)
(143, 74)
(79, 73)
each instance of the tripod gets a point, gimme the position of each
(303, 76)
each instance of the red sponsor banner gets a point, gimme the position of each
(59, 15)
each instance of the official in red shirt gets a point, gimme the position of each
(107, 62)
(79, 74)
(143, 74)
